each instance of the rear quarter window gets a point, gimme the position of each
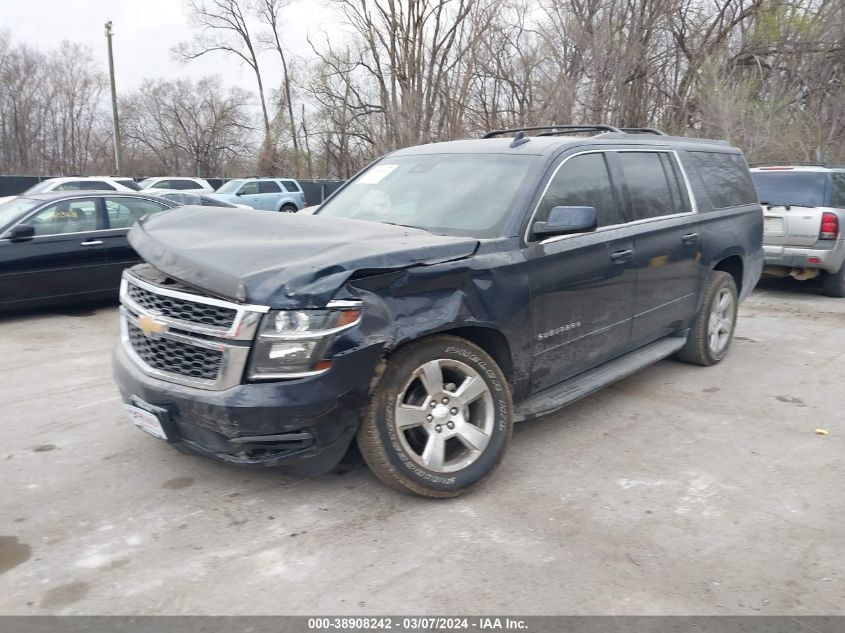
(725, 177)
(837, 193)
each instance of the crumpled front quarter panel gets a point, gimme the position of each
(489, 290)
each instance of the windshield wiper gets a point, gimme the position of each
(788, 204)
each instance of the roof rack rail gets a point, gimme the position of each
(784, 163)
(643, 130)
(552, 130)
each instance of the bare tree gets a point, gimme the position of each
(188, 127)
(223, 27)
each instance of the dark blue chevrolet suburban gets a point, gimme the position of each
(442, 294)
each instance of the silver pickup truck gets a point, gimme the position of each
(804, 218)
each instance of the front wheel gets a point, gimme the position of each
(712, 331)
(833, 284)
(439, 419)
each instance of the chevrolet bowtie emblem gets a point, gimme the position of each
(150, 327)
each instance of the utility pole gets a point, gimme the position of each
(115, 122)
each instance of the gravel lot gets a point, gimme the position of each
(680, 490)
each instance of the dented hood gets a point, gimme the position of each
(282, 259)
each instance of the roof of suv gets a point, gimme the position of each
(547, 145)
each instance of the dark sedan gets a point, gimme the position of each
(68, 246)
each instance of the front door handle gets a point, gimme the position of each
(690, 238)
(620, 257)
(92, 243)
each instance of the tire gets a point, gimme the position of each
(833, 285)
(705, 345)
(289, 208)
(431, 388)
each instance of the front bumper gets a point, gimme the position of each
(827, 259)
(305, 425)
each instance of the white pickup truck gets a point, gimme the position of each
(804, 215)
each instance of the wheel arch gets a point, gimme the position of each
(733, 265)
(490, 339)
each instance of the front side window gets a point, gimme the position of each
(66, 216)
(449, 194)
(582, 181)
(249, 189)
(268, 186)
(649, 189)
(124, 212)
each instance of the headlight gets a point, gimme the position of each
(293, 343)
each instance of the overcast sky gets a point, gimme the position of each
(145, 31)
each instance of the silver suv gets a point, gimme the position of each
(804, 212)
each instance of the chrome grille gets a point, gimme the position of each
(182, 310)
(174, 356)
(184, 337)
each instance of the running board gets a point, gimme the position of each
(558, 396)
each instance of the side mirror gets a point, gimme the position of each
(241, 193)
(21, 232)
(566, 220)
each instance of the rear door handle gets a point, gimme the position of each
(620, 257)
(92, 243)
(690, 238)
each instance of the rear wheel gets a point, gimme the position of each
(833, 284)
(288, 208)
(712, 331)
(439, 419)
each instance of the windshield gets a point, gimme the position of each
(41, 187)
(449, 194)
(230, 187)
(13, 210)
(803, 188)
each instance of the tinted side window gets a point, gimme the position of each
(184, 184)
(837, 194)
(268, 186)
(66, 216)
(291, 185)
(73, 185)
(648, 185)
(124, 212)
(582, 181)
(95, 185)
(726, 178)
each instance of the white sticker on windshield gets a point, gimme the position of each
(375, 175)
